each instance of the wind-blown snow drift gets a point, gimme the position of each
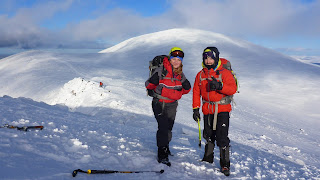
(273, 129)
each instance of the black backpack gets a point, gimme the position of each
(153, 65)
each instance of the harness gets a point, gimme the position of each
(223, 101)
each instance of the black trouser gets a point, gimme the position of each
(165, 113)
(221, 133)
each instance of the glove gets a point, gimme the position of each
(214, 85)
(186, 85)
(154, 79)
(150, 92)
(196, 114)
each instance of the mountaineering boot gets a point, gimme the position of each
(225, 160)
(163, 156)
(208, 154)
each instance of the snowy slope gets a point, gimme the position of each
(313, 60)
(274, 124)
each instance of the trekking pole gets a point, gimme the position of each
(23, 128)
(74, 173)
(199, 133)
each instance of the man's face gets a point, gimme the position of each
(209, 61)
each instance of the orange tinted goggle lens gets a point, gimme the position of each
(177, 53)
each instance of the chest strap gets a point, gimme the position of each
(172, 79)
(210, 78)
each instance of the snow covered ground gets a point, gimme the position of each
(274, 128)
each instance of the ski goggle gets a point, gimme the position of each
(209, 53)
(177, 53)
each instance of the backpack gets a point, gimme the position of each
(153, 65)
(227, 65)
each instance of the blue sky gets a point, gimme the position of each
(290, 26)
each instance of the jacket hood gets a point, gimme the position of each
(167, 65)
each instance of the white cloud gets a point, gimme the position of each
(23, 30)
(116, 24)
(266, 18)
(244, 18)
(269, 18)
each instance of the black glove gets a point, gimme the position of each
(150, 92)
(196, 114)
(214, 85)
(186, 85)
(154, 79)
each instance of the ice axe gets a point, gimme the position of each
(199, 133)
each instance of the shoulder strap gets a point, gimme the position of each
(164, 72)
(201, 79)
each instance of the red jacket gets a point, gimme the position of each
(201, 89)
(169, 86)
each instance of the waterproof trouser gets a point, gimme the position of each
(221, 133)
(165, 114)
